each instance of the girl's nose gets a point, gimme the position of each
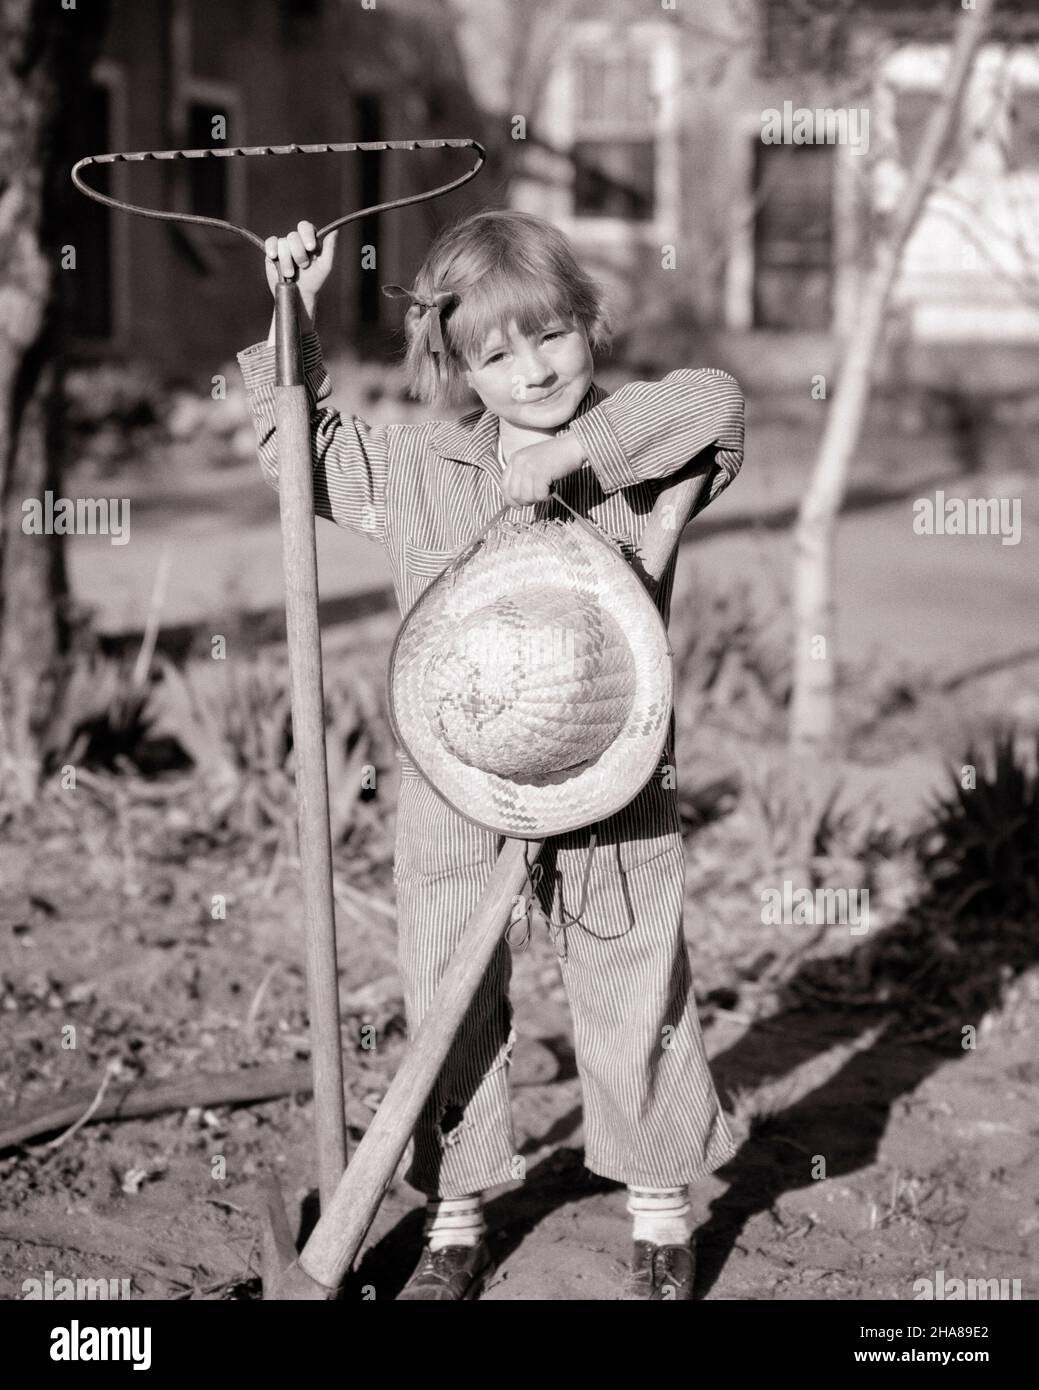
(534, 368)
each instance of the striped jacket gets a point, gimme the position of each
(424, 491)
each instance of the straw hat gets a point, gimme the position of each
(530, 684)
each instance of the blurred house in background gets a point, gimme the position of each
(644, 141)
(635, 125)
(276, 71)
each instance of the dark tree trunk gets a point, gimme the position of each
(46, 52)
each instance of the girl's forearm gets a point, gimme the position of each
(308, 308)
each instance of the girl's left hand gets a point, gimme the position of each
(533, 469)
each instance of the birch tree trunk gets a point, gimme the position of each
(812, 716)
(46, 50)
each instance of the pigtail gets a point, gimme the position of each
(426, 343)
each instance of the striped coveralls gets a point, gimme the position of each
(652, 1117)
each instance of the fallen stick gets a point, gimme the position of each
(257, 999)
(90, 1234)
(111, 1071)
(132, 1099)
(143, 664)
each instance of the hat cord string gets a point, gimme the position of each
(553, 496)
(585, 521)
(454, 570)
(535, 873)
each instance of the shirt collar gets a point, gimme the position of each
(474, 437)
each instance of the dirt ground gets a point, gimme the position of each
(930, 1149)
(840, 1052)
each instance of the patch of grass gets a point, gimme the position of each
(225, 729)
(732, 660)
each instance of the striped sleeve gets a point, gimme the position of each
(350, 460)
(649, 429)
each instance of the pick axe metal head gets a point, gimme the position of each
(283, 1276)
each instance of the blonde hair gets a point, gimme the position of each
(498, 266)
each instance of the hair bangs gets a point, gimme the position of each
(508, 294)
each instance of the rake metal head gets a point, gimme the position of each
(253, 151)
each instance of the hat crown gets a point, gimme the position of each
(536, 682)
(519, 656)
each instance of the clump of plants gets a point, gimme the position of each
(732, 660)
(111, 410)
(980, 847)
(216, 738)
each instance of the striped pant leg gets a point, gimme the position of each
(463, 1141)
(652, 1116)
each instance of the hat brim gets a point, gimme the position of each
(506, 559)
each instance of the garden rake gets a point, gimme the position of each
(299, 560)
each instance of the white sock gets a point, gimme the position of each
(454, 1220)
(661, 1214)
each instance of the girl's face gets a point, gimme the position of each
(537, 382)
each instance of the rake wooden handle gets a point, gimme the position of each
(299, 558)
(344, 1223)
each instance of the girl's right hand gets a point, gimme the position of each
(296, 257)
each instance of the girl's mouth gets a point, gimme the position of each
(550, 396)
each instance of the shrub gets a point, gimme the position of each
(980, 846)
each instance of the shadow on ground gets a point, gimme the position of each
(928, 968)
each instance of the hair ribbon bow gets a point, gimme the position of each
(443, 299)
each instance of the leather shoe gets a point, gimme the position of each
(660, 1272)
(453, 1272)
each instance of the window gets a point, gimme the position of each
(1024, 130)
(614, 90)
(793, 236)
(297, 16)
(209, 117)
(614, 148)
(208, 179)
(810, 36)
(614, 179)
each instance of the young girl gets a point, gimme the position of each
(502, 309)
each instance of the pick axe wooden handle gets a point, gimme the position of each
(345, 1221)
